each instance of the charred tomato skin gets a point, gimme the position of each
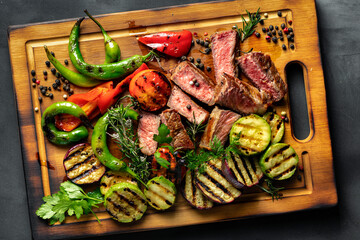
(151, 89)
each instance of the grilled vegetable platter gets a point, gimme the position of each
(169, 117)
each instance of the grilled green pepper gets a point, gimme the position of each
(102, 71)
(112, 49)
(73, 77)
(59, 137)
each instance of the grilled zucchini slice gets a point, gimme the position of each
(214, 185)
(251, 134)
(193, 194)
(279, 162)
(276, 125)
(160, 193)
(111, 178)
(242, 171)
(82, 166)
(125, 202)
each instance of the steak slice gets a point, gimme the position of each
(240, 96)
(185, 72)
(148, 126)
(262, 72)
(223, 46)
(219, 125)
(186, 107)
(180, 138)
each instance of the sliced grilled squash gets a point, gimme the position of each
(242, 171)
(111, 178)
(279, 162)
(160, 193)
(251, 133)
(214, 185)
(125, 202)
(193, 194)
(82, 166)
(276, 125)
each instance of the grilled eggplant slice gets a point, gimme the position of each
(279, 162)
(193, 194)
(251, 134)
(82, 166)
(276, 125)
(125, 202)
(111, 178)
(160, 192)
(241, 171)
(214, 185)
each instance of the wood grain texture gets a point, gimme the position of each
(317, 188)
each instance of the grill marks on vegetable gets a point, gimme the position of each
(111, 178)
(161, 193)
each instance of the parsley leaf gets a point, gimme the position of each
(161, 161)
(162, 137)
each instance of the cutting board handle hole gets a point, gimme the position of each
(299, 108)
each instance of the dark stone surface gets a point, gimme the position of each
(339, 41)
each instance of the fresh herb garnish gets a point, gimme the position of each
(71, 199)
(272, 190)
(161, 161)
(128, 141)
(162, 137)
(248, 27)
(194, 129)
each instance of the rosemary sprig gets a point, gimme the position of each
(194, 129)
(128, 142)
(272, 191)
(248, 27)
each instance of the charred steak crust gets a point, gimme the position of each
(172, 120)
(186, 74)
(148, 126)
(223, 45)
(262, 72)
(186, 107)
(240, 96)
(219, 125)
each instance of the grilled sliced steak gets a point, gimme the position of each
(223, 46)
(240, 96)
(194, 82)
(259, 68)
(172, 120)
(183, 104)
(219, 125)
(148, 126)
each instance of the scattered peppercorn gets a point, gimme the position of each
(57, 82)
(290, 29)
(298, 177)
(273, 32)
(197, 84)
(45, 72)
(202, 42)
(43, 91)
(283, 113)
(290, 22)
(195, 34)
(207, 39)
(301, 167)
(49, 88)
(268, 38)
(280, 33)
(55, 86)
(281, 38)
(66, 62)
(57, 74)
(66, 81)
(36, 109)
(198, 41)
(276, 27)
(45, 77)
(266, 15)
(264, 30)
(62, 79)
(41, 87)
(183, 58)
(198, 60)
(279, 13)
(52, 53)
(33, 72)
(274, 39)
(288, 37)
(269, 34)
(47, 63)
(262, 21)
(191, 59)
(206, 44)
(33, 85)
(283, 25)
(201, 66)
(286, 30)
(208, 69)
(65, 96)
(192, 43)
(53, 71)
(284, 47)
(188, 106)
(271, 27)
(40, 99)
(191, 83)
(291, 34)
(286, 119)
(205, 33)
(33, 80)
(51, 95)
(257, 34)
(71, 91)
(207, 50)
(37, 82)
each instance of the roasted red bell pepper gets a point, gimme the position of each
(174, 44)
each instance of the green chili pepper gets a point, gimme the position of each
(101, 150)
(73, 77)
(112, 49)
(59, 137)
(102, 71)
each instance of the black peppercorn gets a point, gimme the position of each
(33, 85)
(33, 72)
(198, 41)
(202, 42)
(191, 59)
(57, 74)
(198, 60)
(41, 87)
(280, 33)
(33, 80)
(55, 86)
(279, 13)
(284, 47)
(290, 29)
(207, 50)
(57, 82)
(274, 39)
(298, 177)
(45, 72)
(291, 34)
(257, 34)
(276, 27)
(269, 34)
(66, 62)
(271, 27)
(40, 99)
(53, 71)
(192, 43)
(47, 63)
(52, 53)
(208, 69)
(188, 106)
(262, 21)
(43, 91)
(292, 46)
(283, 25)
(281, 38)
(288, 37)
(206, 44)
(51, 95)
(183, 58)
(264, 30)
(273, 32)
(49, 88)
(201, 66)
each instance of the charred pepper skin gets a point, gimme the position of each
(102, 71)
(59, 137)
(112, 49)
(73, 77)
(101, 150)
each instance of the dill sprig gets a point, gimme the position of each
(128, 142)
(248, 27)
(272, 190)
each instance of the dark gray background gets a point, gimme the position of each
(340, 49)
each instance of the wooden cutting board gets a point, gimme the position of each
(316, 187)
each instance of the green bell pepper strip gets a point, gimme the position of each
(59, 137)
(103, 71)
(73, 77)
(101, 150)
(112, 49)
